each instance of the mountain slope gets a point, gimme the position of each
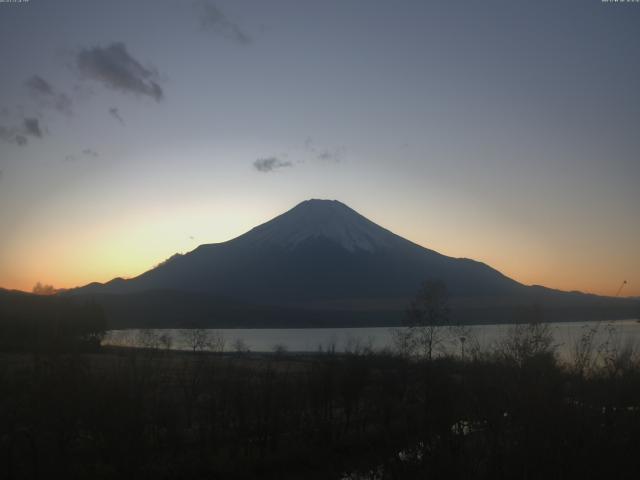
(323, 256)
(318, 250)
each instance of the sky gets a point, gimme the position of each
(503, 131)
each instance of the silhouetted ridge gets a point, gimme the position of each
(321, 255)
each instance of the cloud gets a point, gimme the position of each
(308, 145)
(270, 164)
(212, 19)
(46, 95)
(37, 84)
(32, 127)
(334, 155)
(11, 135)
(63, 104)
(88, 152)
(324, 154)
(115, 113)
(115, 68)
(18, 135)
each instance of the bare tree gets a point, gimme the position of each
(529, 339)
(584, 350)
(427, 313)
(195, 338)
(403, 341)
(617, 353)
(240, 346)
(44, 289)
(216, 342)
(166, 340)
(148, 338)
(280, 349)
(201, 339)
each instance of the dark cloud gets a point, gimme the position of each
(115, 68)
(32, 127)
(212, 19)
(42, 91)
(270, 164)
(18, 135)
(39, 85)
(115, 113)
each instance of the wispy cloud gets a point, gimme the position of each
(12, 135)
(89, 152)
(43, 92)
(39, 85)
(32, 127)
(269, 164)
(213, 20)
(18, 135)
(115, 68)
(335, 154)
(115, 113)
(86, 153)
(308, 145)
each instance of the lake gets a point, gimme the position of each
(619, 333)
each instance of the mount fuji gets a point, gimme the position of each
(320, 263)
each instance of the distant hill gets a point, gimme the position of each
(322, 263)
(31, 322)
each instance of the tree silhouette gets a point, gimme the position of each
(428, 311)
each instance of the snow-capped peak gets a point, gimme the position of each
(328, 219)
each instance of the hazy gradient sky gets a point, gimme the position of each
(504, 131)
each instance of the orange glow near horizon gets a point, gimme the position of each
(470, 131)
(126, 247)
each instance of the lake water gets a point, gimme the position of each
(618, 333)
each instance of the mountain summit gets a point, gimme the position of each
(322, 219)
(321, 262)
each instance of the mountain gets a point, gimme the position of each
(320, 256)
(319, 250)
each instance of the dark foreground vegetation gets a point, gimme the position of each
(155, 413)
(47, 323)
(70, 408)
